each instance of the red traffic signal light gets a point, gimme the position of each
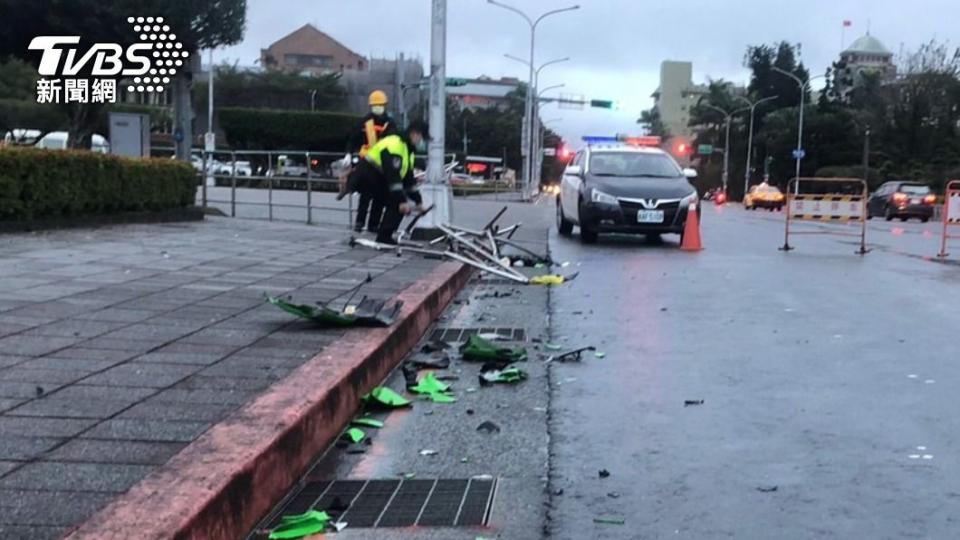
(564, 152)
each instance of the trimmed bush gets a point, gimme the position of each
(265, 129)
(37, 184)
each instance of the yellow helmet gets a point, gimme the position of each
(378, 97)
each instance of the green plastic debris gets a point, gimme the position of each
(386, 397)
(355, 435)
(552, 346)
(316, 314)
(367, 422)
(301, 525)
(477, 349)
(508, 375)
(609, 520)
(437, 397)
(433, 388)
(599, 354)
(429, 384)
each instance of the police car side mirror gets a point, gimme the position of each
(690, 173)
(573, 170)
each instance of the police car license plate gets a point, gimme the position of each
(650, 216)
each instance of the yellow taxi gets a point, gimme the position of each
(764, 196)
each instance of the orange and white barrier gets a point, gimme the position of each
(847, 206)
(951, 214)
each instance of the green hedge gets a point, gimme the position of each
(36, 184)
(267, 129)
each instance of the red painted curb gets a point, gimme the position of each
(222, 483)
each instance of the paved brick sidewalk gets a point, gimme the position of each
(120, 346)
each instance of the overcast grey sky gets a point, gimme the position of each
(616, 46)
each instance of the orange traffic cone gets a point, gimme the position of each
(691, 231)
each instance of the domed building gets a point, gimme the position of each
(865, 55)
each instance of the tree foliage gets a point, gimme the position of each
(235, 87)
(913, 120)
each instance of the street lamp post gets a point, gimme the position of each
(803, 85)
(533, 120)
(753, 109)
(530, 82)
(726, 143)
(538, 164)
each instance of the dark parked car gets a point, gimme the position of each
(902, 200)
(624, 189)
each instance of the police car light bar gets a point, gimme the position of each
(647, 140)
(598, 139)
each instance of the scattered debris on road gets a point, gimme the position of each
(767, 489)
(603, 473)
(367, 422)
(483, 249)
(301, 525)
(609, 520)
(478, 349)
(570, 356)
(385, 398)
(692, 402)
(493, 374)
(488, 427)
(428, 452)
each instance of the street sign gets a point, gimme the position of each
(799, 153)
(601, 103)
(550, 152)
(209, 141)
(705, 149)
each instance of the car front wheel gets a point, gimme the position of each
(564, 226)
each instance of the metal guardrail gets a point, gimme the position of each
(287, 170)
(293, 171)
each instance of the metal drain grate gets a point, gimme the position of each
(460, 335)
(462, 502)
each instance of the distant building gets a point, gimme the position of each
(676, 95)
(866, 55)
(483, 92)
(311, 51)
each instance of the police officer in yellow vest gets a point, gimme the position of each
(386, 175)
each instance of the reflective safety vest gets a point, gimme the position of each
(394, 145)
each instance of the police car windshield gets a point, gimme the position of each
(633, 164)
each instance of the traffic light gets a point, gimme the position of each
(682, 148)
(564, 153)
(601, 103)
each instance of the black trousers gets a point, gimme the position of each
(368, 204)
(371, 185)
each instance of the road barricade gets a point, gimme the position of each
(827, 200)
(950, 214)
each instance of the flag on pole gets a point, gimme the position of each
(847, 24)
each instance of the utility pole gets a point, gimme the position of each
(527, 140)
(465, 140)
(726, 145)
(753, 109)
(866, 154)
(436, 191)
(803, 85)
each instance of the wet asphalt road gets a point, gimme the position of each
(828, 383)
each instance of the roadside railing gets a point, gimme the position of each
(294, 185)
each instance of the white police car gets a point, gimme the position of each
(624, 188)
